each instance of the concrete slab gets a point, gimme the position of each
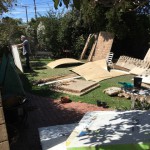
(54, 137)
(75, 87)
(111, 130)
(63, 61)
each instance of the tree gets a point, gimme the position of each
(11, 30)
(136, 4)
(41, 35)
(5, 4)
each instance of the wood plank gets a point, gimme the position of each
(96, 71)
(1, 116)
(86, 46)
(103, 46)
(63, 61)
(0, 100)
(4, 145)
(147, 56)
(3, 135)
(93, 48)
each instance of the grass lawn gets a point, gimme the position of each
(40, 71)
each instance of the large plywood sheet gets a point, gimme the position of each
(86, 46)
(147, 56)
(3, 133)
(96, 71)
(4, 145)
(137, 70)
(1, 116)
(63, 61)
(103, 46)
(17, 57)
(75, 87)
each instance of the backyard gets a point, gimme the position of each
(111, 38)
(41, 71)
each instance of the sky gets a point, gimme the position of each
(19, 10)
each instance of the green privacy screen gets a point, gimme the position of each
(9, 78)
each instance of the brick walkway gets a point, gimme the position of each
(43, 112)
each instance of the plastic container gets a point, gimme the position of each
(137, 82)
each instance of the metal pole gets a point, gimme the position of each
(26, 12)
(35, 9)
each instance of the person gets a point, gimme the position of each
(26, 50)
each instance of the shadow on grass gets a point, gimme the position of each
(69, 65)
(45, 91)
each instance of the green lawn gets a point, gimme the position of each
(40, 70)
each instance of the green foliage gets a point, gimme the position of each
(10, 31)
(69, 30)
(78, 46)
(5, 4)
(93, 16)
(41, 35)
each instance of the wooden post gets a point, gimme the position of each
(93, 48)
(86, 46)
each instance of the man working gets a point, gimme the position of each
(26, 50)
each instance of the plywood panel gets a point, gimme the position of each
(86, 46)
(17, 57)
(103, 46)
(1, 116)
(4, 145)
(0, 100)
(147, 56)
(3, 133)
(96, 71)
(137, 70)
(62, 62)
(75, 87)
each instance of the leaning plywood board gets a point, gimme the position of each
(86, 46)
(147, 56)
(4, 145)
(111, 130)
(75, 87)
(63, 61)
(17, 57)
(103, 46)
